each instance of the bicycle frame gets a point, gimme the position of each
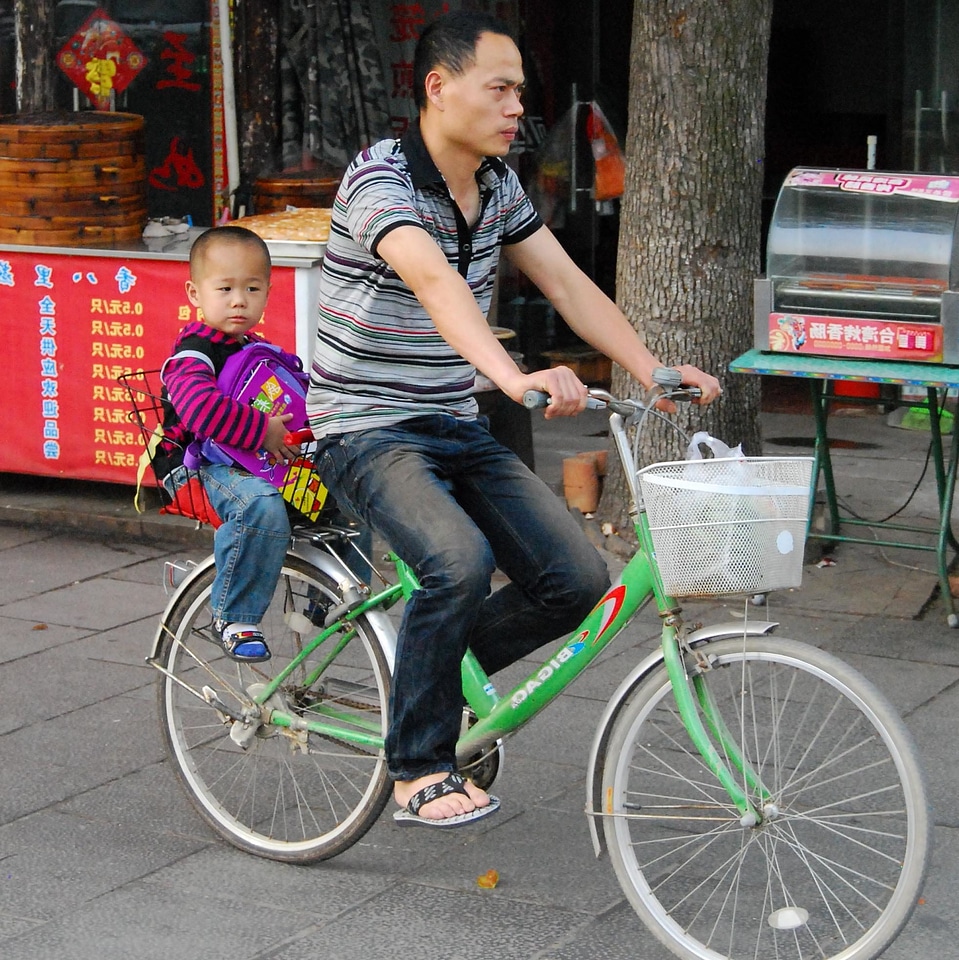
(498, 716)
(638, 584)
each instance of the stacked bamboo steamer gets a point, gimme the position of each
(72, 179)
(304, 188)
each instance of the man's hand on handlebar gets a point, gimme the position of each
(708, 385)
(689, 376)
(566, 392)
(568, 395)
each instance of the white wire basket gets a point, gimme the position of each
(728, 525)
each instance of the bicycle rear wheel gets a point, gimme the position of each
(836, 866)
(274, 791)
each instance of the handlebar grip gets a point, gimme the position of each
(535, 399)
(685, 394)
(296, 437)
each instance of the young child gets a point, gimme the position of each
(229, 282)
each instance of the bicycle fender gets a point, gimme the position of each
(195, 573)
(378, 620)
(597, 753)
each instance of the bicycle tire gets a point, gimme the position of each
(284, 795)
(836, 873)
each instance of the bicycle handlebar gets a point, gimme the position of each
(668, 379)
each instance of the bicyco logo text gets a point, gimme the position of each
(609, 606)
(547, 670)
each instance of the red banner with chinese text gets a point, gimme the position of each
(74, 324)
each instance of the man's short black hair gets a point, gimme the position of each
(450, 41)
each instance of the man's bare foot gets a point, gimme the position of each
(448, 805)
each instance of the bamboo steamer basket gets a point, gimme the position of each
(307, 188)
(72, 179)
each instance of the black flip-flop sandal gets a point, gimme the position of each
(453, 783)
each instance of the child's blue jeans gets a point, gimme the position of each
(251, 543)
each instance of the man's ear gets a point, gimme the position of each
(434, 88)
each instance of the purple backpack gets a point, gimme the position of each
(272, 380)
(265, 376)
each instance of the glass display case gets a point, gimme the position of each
(862, 264)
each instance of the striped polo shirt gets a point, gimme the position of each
(378, 358)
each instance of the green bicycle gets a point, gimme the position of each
(758, 798)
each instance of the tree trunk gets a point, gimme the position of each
(35, 55)
(689, 245)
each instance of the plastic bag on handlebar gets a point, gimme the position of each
(722, 506)
(718, 448)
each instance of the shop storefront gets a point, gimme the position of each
(92, 302)
(338, 75)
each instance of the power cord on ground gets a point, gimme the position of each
(882, 552)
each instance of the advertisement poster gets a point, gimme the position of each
(856, 338)
(79, 322)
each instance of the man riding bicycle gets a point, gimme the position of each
(418, 228)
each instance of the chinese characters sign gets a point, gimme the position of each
(856, 338)
(924, 186)
(178, 168)
(78, 322)
(181, 98)
(171, 74)
(404, 24)
(100, 59)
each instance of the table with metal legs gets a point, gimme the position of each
(824, 372)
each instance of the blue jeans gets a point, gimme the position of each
(456, 504)
(251, 543)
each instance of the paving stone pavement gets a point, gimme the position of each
(102, 857)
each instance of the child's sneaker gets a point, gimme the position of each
(242, 642)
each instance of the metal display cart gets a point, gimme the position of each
(862, 286)
(862, 265)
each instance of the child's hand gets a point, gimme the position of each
(273, 442)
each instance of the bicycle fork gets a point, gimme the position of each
(693, 710)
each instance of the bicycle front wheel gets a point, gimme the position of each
(281, 792)
(836, 865)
